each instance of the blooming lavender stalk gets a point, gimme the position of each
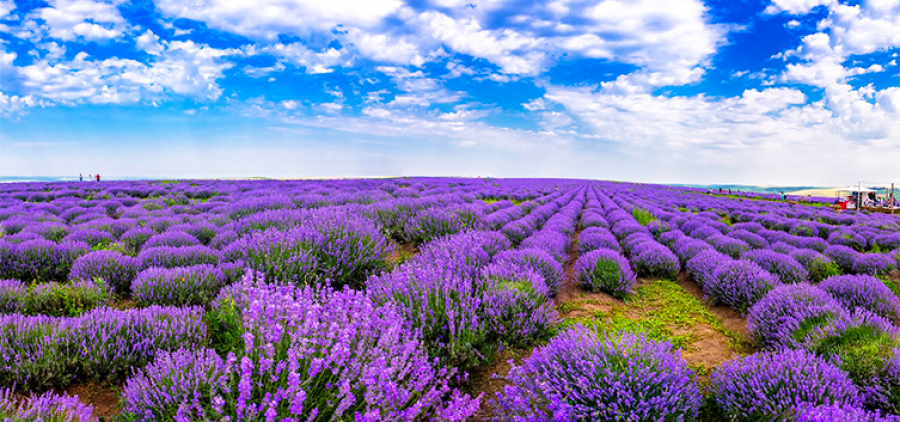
(579, 377)
(182, 286)
(516, 307)
(863, 291)
(768, 385)
(346, 359)
(115, 269)
(47, 407)
(740, 284)
(538, 260)
(12, 296)
(605, 270)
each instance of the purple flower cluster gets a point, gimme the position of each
(785, 316)
(47, 407)
(605, 270)
(117, 270)
(783, 267)
(769, 385)
(739, 285)
(347, 358)
(171, 257)
(866, 292)
(580, 377)
(539, 261)
(197, 285)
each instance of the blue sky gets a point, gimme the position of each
(681, 91)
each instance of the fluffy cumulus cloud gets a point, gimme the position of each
(634, 77)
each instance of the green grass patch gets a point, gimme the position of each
(642, 216)
(663, 310)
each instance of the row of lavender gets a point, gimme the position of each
(456, 302)
(831, 351)
(341, 242)
(844, 327)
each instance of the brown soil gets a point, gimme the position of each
(105, 400)
(123, 303)
(731, 319)
(491, 379)
(403, 250)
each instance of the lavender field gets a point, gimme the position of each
(442, 299)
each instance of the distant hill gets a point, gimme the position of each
(752, 188)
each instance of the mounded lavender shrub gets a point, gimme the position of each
(863, 291)
(687, 248)
(36, 353)
(171, 257)
(172, 238)
(786, 249)
(607, 271)
(538, 260)
(888, 242)
(787, 314)
(346, 359)
(117, 270)
(593, 238)
(12, 296)
(516, 307)
(728, 245)
(704, 265)
(739, 284)
(783, 267)
(47, 407)
(441, 292)
(108, 344)
(580, 377)
(651, 259)
(769, 385)
(754, 240)
(817, 264)
(41, 260)
(882, 391)
(874, 264)
(182, 286)
(93, 237)
(431, 223)
(849, 238)
(843, 256)
(842, 413)
(135, 238)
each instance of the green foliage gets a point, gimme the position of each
(642, 216)
(67, 300)
(605, 278)
(224, 325)
(819, 270)
(862, 351)
(661, 310)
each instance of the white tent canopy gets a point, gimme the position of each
(854, 189)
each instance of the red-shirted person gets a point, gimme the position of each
(98, 177)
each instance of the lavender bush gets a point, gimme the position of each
(580, 377)
(196, 285)
(605, 270)
(863, 291)
(739, 285)
(783, 267)
(787, 314)
(47, 407)
(117, 270)
(769, 385)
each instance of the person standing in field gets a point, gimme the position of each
(98, 177)
(80, 177)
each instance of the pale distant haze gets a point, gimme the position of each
(784, 92)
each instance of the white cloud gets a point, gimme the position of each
(796, 7)
(266, 20)
(183, 68)
(298, 54)
(70, 20)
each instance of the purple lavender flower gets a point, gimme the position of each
(170, 257)
(579, 377)
(347, 358)
(843, 256)
(516, 307)
(874, 264)
(817, 265)
(181, 286)
(171, 238)
(785, 268)
(687, 248)
(882, 391)
(768, 385)
(47, 407)
(605, 270)
(863, 291)
(728, 245)
(704, 265)
(115, 269)
(12, 296)
(787, 314)
(135, 238)
(538, 260)
(739, 284)
(654, 260)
